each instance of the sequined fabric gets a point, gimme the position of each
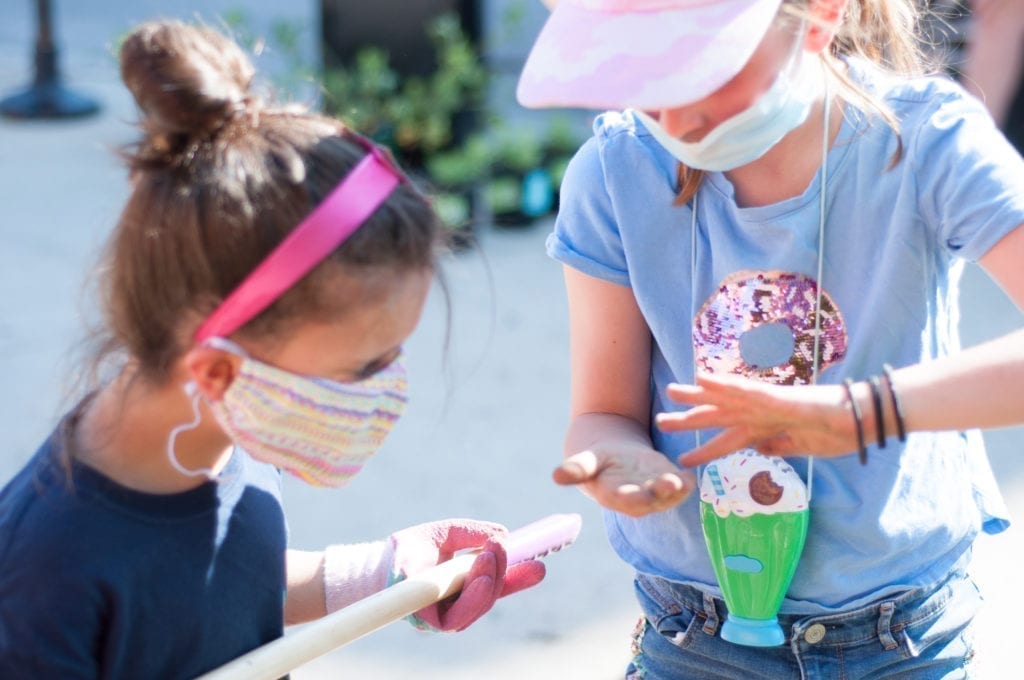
(753, 309)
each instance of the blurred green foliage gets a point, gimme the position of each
(413, 115)
(437, 125)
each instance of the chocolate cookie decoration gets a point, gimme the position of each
(763, 490)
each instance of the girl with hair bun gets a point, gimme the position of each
(257, 289)
(780, 194)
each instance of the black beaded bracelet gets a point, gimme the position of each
(862, 453)
(876, 401)
(901, 429)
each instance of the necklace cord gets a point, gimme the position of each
(816, 358)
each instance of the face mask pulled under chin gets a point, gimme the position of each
(752, 132)
(319, 430)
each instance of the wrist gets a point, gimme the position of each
(869, 416)
(875, 410)
(858, 420)
(354, 572)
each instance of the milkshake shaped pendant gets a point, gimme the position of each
(754, 514)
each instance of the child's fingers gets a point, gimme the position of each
(481, 587)
(476, 599)
(694, 418)
(454, 535)
(709, 393)
(654, 495)
(722, 390)
(685, 394)
(522, 576)
(577, 469)
(670, 488)
(720, 445)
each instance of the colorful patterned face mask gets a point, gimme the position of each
(319, 430)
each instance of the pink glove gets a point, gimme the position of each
(352, 572)
(425, 545)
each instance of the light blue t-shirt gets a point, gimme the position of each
(895, 242)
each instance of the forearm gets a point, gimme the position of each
(304, 600)
(322, 582)
(982, 387)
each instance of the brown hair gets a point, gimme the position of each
(218, 180)
(883, 32)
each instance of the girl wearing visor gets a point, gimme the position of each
(258, 287)
(778, 194)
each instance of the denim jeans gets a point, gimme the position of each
(916, 635)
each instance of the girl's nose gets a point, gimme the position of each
(680, 122)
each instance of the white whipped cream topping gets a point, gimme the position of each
(747, 483)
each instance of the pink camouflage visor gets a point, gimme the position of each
(644, 54)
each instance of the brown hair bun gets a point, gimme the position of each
(189, 80)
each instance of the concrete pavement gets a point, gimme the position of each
(485, 424)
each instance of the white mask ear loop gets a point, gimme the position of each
(192, 391)
(820, 272)
(225, 345)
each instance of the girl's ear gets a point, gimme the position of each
(212, 370)
(825, 18)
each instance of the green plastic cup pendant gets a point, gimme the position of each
(754, 515)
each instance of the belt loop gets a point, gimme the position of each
(711, 624)
(886, 610)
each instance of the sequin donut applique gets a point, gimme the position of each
(761, 325)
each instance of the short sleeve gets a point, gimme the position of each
(970, 178)
(586, 235)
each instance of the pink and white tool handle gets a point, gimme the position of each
(315, 639)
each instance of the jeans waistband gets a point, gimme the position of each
(881, 618)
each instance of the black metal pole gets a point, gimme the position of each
(46, 97)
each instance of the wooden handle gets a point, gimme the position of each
(281, 656)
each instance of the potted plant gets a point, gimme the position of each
(560, 144)
(416, 116)
(453, 177)
(426, 120)
(517, 189)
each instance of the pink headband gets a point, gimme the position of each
(348, 205)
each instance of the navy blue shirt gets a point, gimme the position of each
(100, 581)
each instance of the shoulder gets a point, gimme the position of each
(613, 125)
(47, 552)
(49, 526)
(937, 102)
(902, 91)
(51, 601)
(940, 125)
(34, 503)
(919, 102)
(966, 179)
(44, 533)
(619, 135)
(620, 151)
